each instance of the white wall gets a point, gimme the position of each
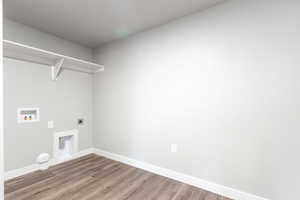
(1, 112)
(63, 101)
(29, 85)
(26, 35)
(222, 84)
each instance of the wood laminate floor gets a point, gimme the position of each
(97, 178)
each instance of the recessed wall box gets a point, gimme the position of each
(28, 115)
(65, 145)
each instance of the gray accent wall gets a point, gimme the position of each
(63, 101)
(222, 84)
(29, 85)
(29, 36)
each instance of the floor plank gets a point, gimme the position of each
(94, 177)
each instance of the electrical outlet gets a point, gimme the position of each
(50, 124)
(80, 122)
(174, 148)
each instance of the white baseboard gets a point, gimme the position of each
(203, 184)
(19, 172)
(77, 155)
(34, 167)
